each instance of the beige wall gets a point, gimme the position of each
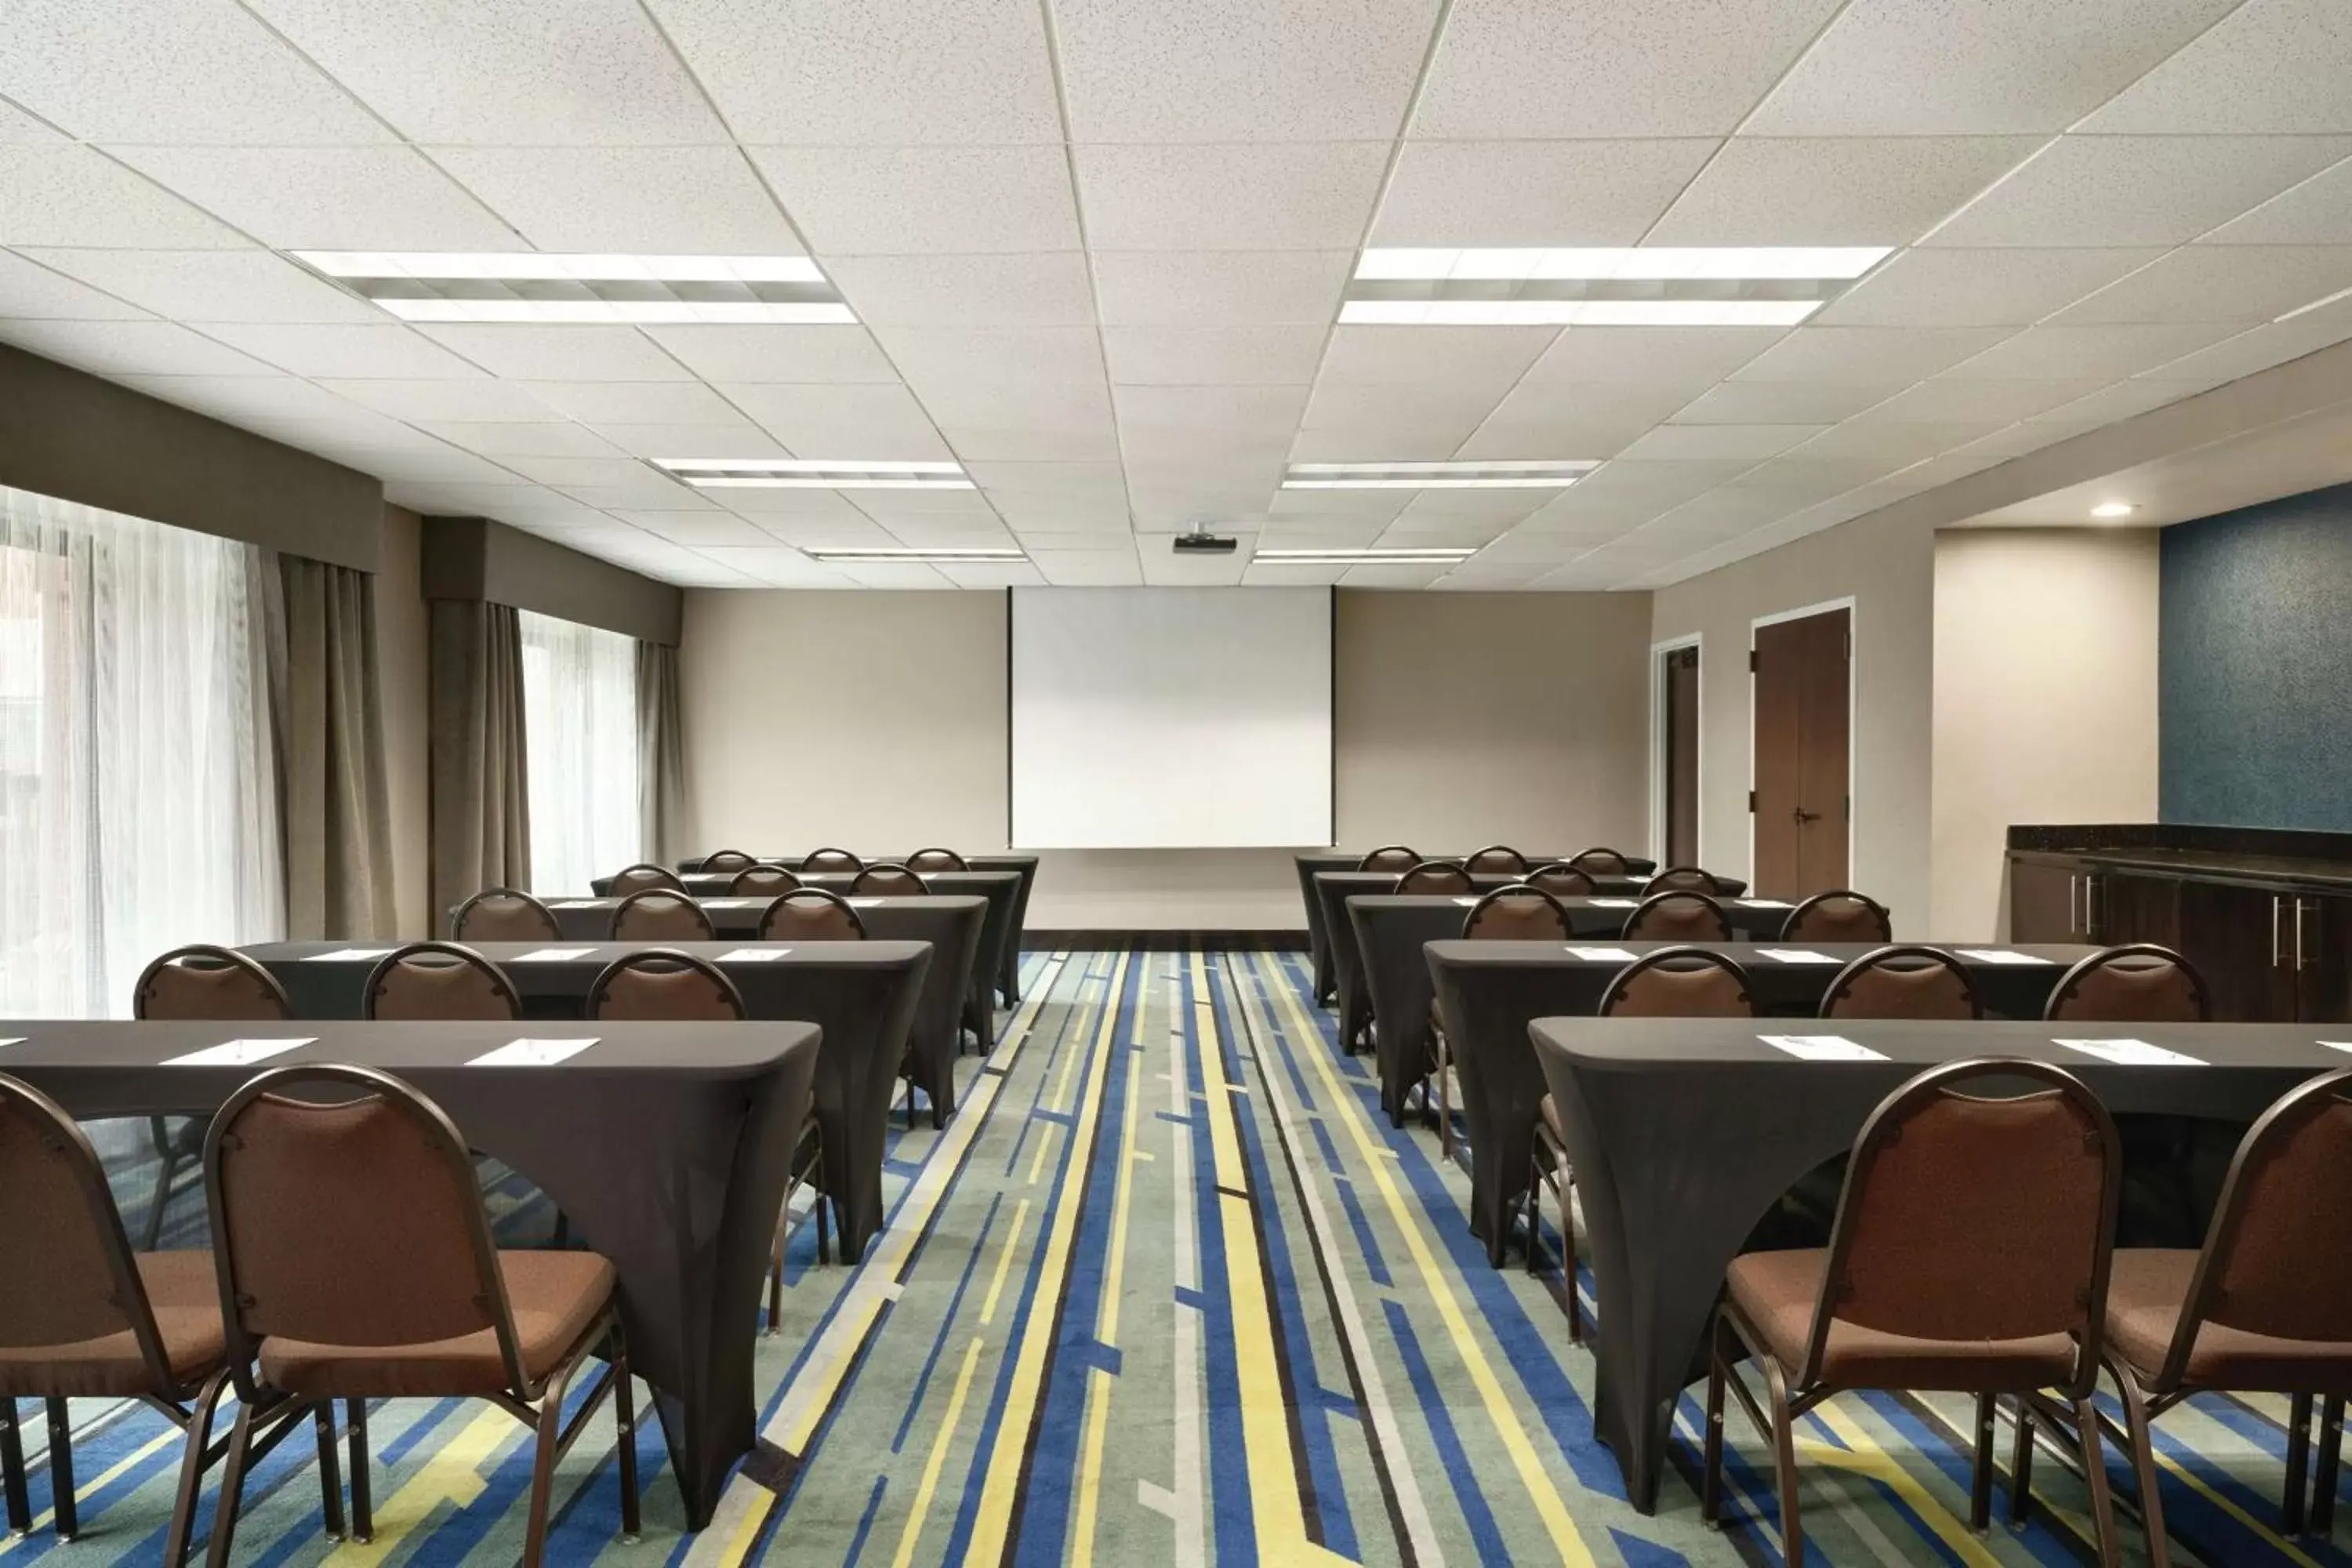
(401, 645)
(1461, 719)
(2046, 699)
(1888, 570)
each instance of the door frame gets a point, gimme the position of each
(1853, 717)
(1658, 651)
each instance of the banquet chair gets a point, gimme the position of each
(1515, 913)
(1683, 880)
(830, 860)
(637, 878)
(437, 981)
(810, 914)
(762, 881)
(658, 914)
(1497, 858)
(1562, 880)
(197, 982)
(2138, 982)
(1600, 862)
(888, 882)
(663, 984)
(720, 861)
(504, 914)
(1436, 876)
(936, 860)
(1678, 916)
(1838, 915)
(1389, 857)
(1903, 982)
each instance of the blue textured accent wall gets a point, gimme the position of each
(2256, 666)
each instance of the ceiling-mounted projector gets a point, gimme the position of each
(1201, 542)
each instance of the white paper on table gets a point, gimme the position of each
(532, 1053)
(580, 904)
(2000, 955)
(348, 956)
(237, 1053)
(2331, 1045)
(13, 1040)
(2131, 1053)
(1602, 954)
(1467, 899)
(1762, 903)
(553, 956)
(736, 904)
(1614, 904)
(1822, 1048)
(863, 903)
(1794, 955)
(753, 955)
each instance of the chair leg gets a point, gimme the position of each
(776, 1279)
(2298, 1464)
(2331, 1450)
(1532, 1210)
(159, 1132)
(363, 1505)
(2020, 1468)
(12, 1469)
(824, 1230)
(2095, 1480)
(1981, 1473)
(2143, 1457)
(543, 1466)
(1567, 1252)
(192, 1470)
(61, 1475)
(1784, 1465)
(1719, 1370)
(625, 1425)
(1444, 1099)
(331, 1472)
(231, 1488)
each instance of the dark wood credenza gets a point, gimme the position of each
(2265, 915)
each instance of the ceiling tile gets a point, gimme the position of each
(525, 352)
(2137, 190)
(18, 127)
(1907, 67)
(1533, 192)
(1233, 287)
(382, 350)
(1509, 434)
(2273, 344)
(1004, 440)
(1693, 356)
(645, 488)
(1993, 288)
(1069, 407)
(848, 73)
(466, 500)
(1786, 402)
(464, 401)
(1373, 424)
(1721, 440)
(2239, 283)
(633, 402)
(1491, 359)
(31, 292)
(2085, 353)
(806, 354)
(169, 70)
(64, 194)
(1391, 576)
(700, 529)
(2270, 66)
(878, 423)
(1261, 196)
(773, 510)
(899, 574)
(1895, 442)
(2122, 400)
(1005, 357)
(1197, 356)
(665, 201)
(1061, 516)
(1092, 481)
(1950, 397)
(130, 348)
(946, 509)
(542, 439)
(1007, 575)
(743, 439)
(967, 290)
(926, 201)
(779, 567)
(443, 466)
(505, 73)
(1177, 423)
(2316, 212)
(327, 198)
(1088, 568)
(1602, 67)
(1870, 354)
(1835, 190)
(278, 400)
(212, 285)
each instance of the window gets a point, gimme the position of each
(138, 788)
(580, 723)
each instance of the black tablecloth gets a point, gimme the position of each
(667, 1144)
(1319, 936)
(1682, 1133)
(1488, 991)
(1007, 962)
(863, 994)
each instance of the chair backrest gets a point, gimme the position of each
(443, 981)
(762, 881)
(720, 861)
(1678, 916)
(2278, 1258)
(1838, 915)
(1600, 862)
(637, 878)
(662, 983)
(1497, 858)
(656, 914)
(1389, 857)
(71, 1275)
(504, 914)
(830, 860)
(1436, 876)
(1517, 913)
(1562, 880)
(937, 860)
(207, 981)
(888, 882)
(1903, 982)
(810, 914)
(1682, 879)
(349, 1222)
(1977, 1219)
(1679, 983)
(2138, 982)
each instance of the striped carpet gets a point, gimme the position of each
(1168, 1291)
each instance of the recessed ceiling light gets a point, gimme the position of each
(813, 474)
(535, 286)
(1761, 286)
(1578, 312)
(1461, 475)
(2340, 295)
(853, 557)
(2114, 509)
(1367, 557)
(1622, 263)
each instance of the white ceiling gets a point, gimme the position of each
(1097, 247)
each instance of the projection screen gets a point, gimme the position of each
(1171, 718)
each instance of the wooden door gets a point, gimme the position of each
(2320, 947)
(2238, 938)
(2120, 907)
(1801, 804)
(1681, 724)
(2044, 901)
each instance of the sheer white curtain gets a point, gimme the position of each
(138, 779)
(580, 727)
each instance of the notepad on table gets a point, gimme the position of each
(532, 1053)
(1794, 955)
(237, 1053)
(1762, 903)
(1613, 903)
(735, 903)
(579, 904)
(554, 954)
(1602, 954)
(2131, 1053)
(753, 955)
(1822, 1048)
(348, 956)
(13, 1040)
(1467, 900)
(863, 903)
(2000, 955)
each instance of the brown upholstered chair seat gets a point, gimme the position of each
(555, 1296)
(1778, 1291)
(184, 1292)
(2145, 1295)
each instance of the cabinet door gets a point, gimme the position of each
(2120, 907)
(2238, 940)
(2044, 901)
(2320, 949)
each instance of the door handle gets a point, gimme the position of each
(2074, 921)
(2298, 933)
(1803, 817)
(2275, 931)
(2090, 920)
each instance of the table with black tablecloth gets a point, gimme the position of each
(1319, 936)
(668, 1146)
(1488, 990)
(865, 995)
(1007, 959)
(1682, 1131)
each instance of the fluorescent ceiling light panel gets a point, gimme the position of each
(1766, 286)
(534, 286)
(813, 474)
(848, 557)
(1338, 557)
(2330, 299)
(1653, 263)
(2111, 509)
(1464, 476)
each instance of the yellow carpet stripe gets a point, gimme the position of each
(1004, 1262)
(453, 1474)
(928, 1488)
(1114, 1273)
(104, 1479)
(1863, 1456)
(1082, 1524)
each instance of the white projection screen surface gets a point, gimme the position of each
(1172, 718)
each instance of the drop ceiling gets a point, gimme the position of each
(1098, 250)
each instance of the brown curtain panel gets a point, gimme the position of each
(480, 808)
(337, 815)
(661, 760)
